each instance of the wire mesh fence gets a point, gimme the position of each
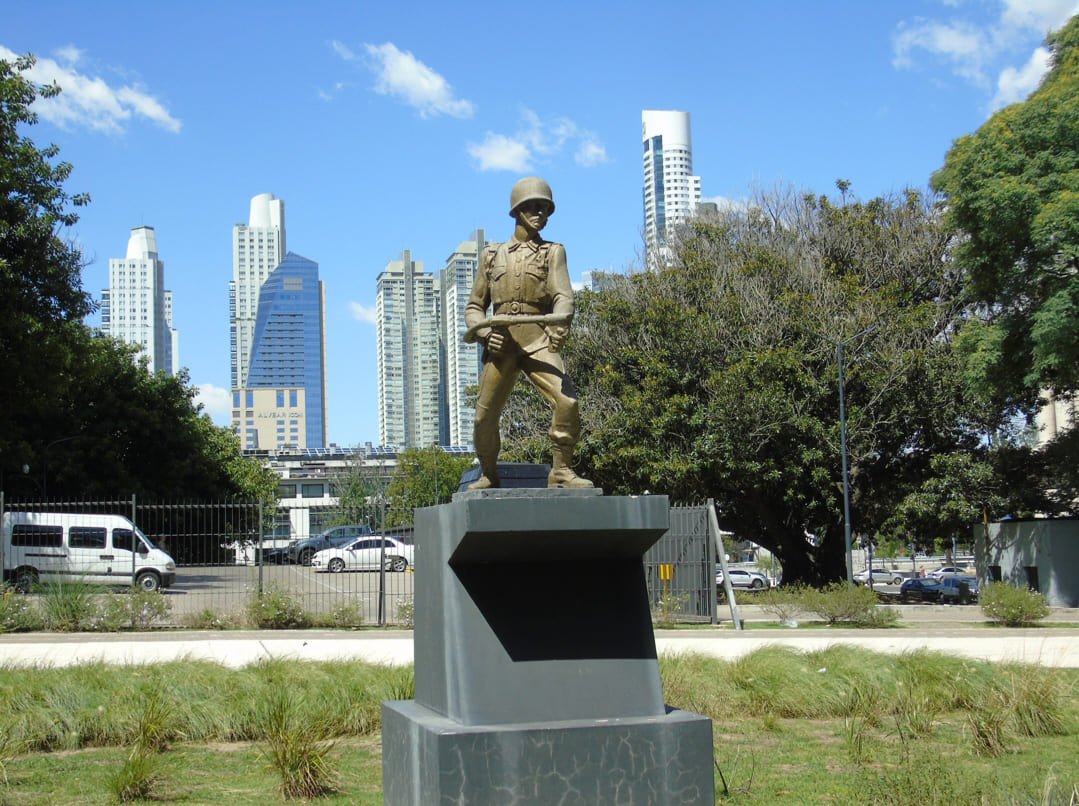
(217, 562)
(225, 562)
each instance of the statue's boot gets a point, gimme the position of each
(488, 475)
(562, 474)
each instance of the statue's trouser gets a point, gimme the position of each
(547, 372)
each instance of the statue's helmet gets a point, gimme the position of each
(527, 189)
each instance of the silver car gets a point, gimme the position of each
(740, 578)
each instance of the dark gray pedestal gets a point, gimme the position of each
(536, 666)
(633, 761)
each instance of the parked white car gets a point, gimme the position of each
(949, 571)
(743, 579)
(365, 553)
(880, 576)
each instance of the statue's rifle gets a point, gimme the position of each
(506, 320)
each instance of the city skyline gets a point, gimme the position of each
(387, 129)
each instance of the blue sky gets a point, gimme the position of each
(392, 126)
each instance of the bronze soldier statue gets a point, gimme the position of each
(526, 283)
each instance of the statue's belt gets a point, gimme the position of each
(506, 320)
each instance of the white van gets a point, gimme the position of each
(97, 549)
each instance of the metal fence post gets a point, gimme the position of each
(717, 534)
(382, 569)
(258, 551)
(134, 538)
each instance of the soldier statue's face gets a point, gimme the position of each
(533, 215)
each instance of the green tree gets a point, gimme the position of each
(361, 492)
(1012, 192)
(79, 411)
(424, 477)
(717, 376)
(127, 431)
(41, 294)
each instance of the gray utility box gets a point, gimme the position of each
(536, 673)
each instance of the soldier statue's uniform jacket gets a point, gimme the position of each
(515, 277)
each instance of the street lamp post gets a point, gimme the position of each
(843, 444)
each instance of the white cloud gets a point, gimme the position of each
(362, 313)
(216, 402)
(590, 153)
(91, 101)
(500, 153)
(973, 50)
(1015, 84)
(1041, 16)
(536, 139)
(960, 43)
(344, 51)
(402, 75)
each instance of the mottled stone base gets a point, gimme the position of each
(429, 759)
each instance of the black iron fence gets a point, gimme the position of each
(231, 560)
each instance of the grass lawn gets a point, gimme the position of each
(838, 726)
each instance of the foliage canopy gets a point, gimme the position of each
(717, 376)
(1012, 192)
(77, 410)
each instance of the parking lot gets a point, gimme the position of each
(226, 590)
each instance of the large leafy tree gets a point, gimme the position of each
(77, 411)
(1012, 192)
(717, 376)
(424, 477)
(41, 294)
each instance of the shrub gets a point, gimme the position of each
(1012, 606)
(296, 747)
(69, 606)
(841, 603)
(208, 619)
(135, 609)
(406, 612)
(346, 615)
(275, 609)
(135, 779)
(17, 612)
(785, 604)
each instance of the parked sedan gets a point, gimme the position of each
(952, 589)
(920, 589)
(364, 552)
(948, 571)
(880, 576)
(743, 579)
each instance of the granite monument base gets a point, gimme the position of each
(664, 760)
(537, 680)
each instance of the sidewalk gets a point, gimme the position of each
(1051, 646)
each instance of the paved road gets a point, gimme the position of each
(1057, 646)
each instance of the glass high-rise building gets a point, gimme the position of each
(136, 308)
(461, 362)
(257, 248)
(671, 191)
(283, 404)
(409, 366)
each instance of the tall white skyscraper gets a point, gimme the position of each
(257, 248)
(136, 308)
(671, 191)
(407, 320)
(461, 362)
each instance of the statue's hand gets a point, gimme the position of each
(557, 334)
(495, 341)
